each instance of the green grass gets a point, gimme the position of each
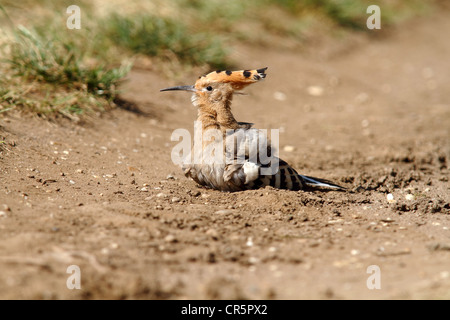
(50, 101)
(345, 13)
(60, 63)
(51, 71)
(229, 16)
(52, 77)
(166, 38)
(215, 15)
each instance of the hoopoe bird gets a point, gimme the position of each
(212, 95)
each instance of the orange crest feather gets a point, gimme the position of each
(237, 79)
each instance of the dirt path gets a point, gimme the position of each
(373, 115)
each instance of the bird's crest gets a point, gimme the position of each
(237, 79)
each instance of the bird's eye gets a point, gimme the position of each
(209, 88)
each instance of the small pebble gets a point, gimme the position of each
(224, 212)
(170, 238)
(390, 198)
(280, 96)
(114, 245)
(253, 260)
(213, 233)
(315, 91)
(362, 97)
(409, 196)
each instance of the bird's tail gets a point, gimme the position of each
(288, 178)
(320, 183)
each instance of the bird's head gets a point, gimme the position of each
(219, 86)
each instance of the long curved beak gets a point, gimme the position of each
(183, 88)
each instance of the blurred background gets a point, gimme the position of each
(72, 72)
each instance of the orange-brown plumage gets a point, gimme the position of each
(212, 95)
(237, 79)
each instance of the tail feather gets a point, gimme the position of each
(288, 178)
(316, 182)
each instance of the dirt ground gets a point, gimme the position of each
(370, 113)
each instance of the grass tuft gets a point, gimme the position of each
(52, 77)
(60, 63)
(52, 71)
(166, 38)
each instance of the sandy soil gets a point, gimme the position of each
(372, 114)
